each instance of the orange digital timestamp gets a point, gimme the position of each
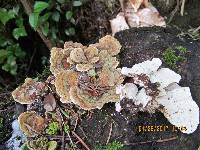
(159, 128)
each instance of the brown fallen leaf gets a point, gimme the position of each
(49, 102)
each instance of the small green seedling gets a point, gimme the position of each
(52, 128)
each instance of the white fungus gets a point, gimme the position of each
(142, 98)
(146, 67)
(164, 77)
(118, 107)
(129, 90)
(180, 109)
(176, 101)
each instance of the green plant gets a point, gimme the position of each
(45, 73)
(66, 128)
(52, 128)
(48, 17)
(181, 49)
(10, 50)
(173, 56)
(115, 145)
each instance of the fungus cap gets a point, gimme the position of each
(129, 90)
(146, 67)
(180, 109)
(63, 82)
(110, 44)
(29, 91)
(164, 77)
(31, 123)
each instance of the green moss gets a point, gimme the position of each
(52, 128)
(115, 145)
(181, 49)
(173, 56)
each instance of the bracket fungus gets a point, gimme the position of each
(29, 91)
(91, 76)
(180, 109)
(150, 87)
(31, 123)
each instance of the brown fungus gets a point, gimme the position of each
(31, 123)
(110, 44)
(91, 80)
(58, 61)
(64, 81)
(28, 92)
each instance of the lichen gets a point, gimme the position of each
(31, 123)
(92, 75)
(29, 91)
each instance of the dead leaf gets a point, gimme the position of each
(49, 102)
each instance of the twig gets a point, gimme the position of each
(196, 30)
(158, 141)
(8, 108)
(57, 137)
(63, 141)
(174, 11)
(76, 124)
(71, 141)
(83, 132)
(182, 7)
(109, 134)
(63, 132)
(82, 142)
(31, 60)
(5, 93)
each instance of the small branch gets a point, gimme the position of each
(196, 30)
(56, 137)
(5, 93)
(174, 11)
(28, 6)
(31, 60)
(76, 124)
(109, 134)
(158, 141)
(8, 108)
(182, 7)
(63, 141)
(82, 142)
(70, 140)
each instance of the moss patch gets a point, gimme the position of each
(173, 56)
